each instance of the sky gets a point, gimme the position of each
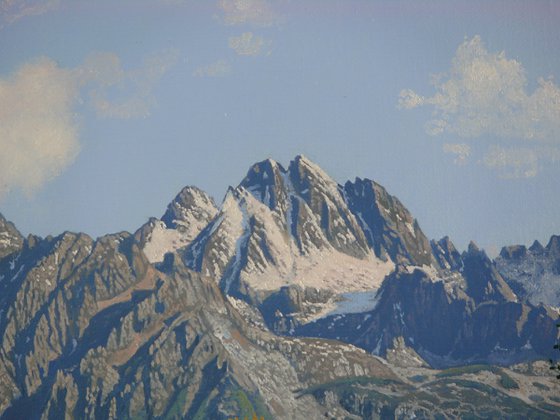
(109, 108)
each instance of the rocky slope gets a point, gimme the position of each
(10, 239)
(534, 272)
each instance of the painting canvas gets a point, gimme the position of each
(279, 209)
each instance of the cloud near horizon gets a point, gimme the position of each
(14, 10)
(486, 94)
(39, 131)
(219, 68)
(249, 44)
(255, 12)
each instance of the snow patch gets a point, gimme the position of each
(163, 240)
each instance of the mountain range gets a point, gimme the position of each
(295, 297)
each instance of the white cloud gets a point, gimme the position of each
(461, 151)
(256, 12)
(133, 87)
(38, 129)
(220, 68)
(511, 162)
(248, 44)
(520, 162)
(13, 10)
(38, 134)
(486, 94)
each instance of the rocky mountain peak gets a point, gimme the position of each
(473, 248)
(483, 280)
(191, 205)
(389, 227)
(189, 212)
(553, 246)
(446, 254)
(265, 180)
(513, 252)
(10, 238)
(536, 248)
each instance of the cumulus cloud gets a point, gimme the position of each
(486, 93)
(256, 12)
(461, 151)
(220, 68)
(249, 44)
(39, 134)
(13, 10)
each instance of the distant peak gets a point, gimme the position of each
(268, 166)
(536, 248)
(513, 252)
(554, 244)
(303, 160)
(190, 202)
(473, 248)
(301, 166)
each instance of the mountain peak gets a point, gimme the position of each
(302, 165)
(10, 238)
(473, 248)
(513, 252)
(446, 254)
(536, 248)
(190, 205)
(553, 245)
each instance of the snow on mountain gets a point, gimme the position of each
(10, 238)
(186, 216)
(287, 228)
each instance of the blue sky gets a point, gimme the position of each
(108, 108)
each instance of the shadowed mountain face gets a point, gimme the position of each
(534, 272)
(277, 304)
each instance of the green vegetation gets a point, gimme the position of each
(462, 370)
(542, 386)
(536, 398)
(507, 381)
(347, 382)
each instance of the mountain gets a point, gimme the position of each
(296, 297)
(294, 241)
(351, 263)
(189, 213)
(91, 329)
(534, 272)
(10, 238)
